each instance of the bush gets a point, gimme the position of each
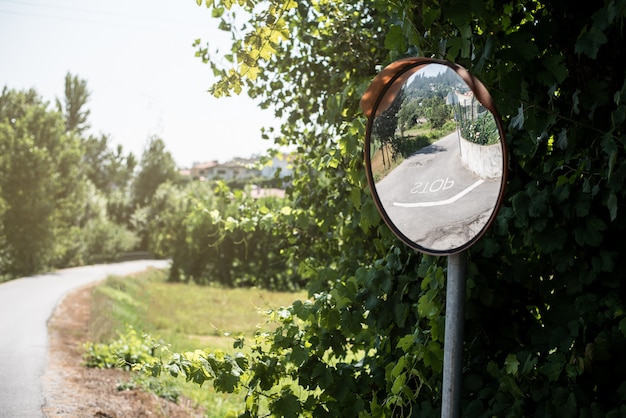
(482, 130)
(125, 352)
(163, 387)
(106, 241)
(217, 235)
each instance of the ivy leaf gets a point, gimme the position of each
(523, 44)
(398, 384)
(619, 115)
(576, 102)
(589, 43)
(287, 405)
(591, 232)
(508, 384)
(226, 381)
(458, 45)
(553, 368)
(561, 141)
(369, 215)
(551, 240)
(426, 306)
(355, 197)
(239, 343)
(612, 205)
(405, 343)
(226, 27)
(529, 364)
(250, 72)
(557, 67)
(401, 313)
(430, 14)
(394, 41)
(217, 12)
(511, 364)
(517, 122)
(322, 376)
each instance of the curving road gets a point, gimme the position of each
(25, 306)
(435, 200)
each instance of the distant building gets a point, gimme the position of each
(237, 169)
(202, 170)
(240, 168)
(464, 99)
(282, 162)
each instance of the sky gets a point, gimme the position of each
(138, 60)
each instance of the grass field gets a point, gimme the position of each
(186, 316)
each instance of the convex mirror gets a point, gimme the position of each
(435, 154)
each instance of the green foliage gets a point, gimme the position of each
(163, 388)
(73, 105)
(477, 128)
(545, 322)
(127, 350)
(157, 166)
(98, 239)
(545, 309)
(437, 112)
(105, 241)
(41, 184)
(109, 170)
(153, 304)
(215, 235)
(57, 188)
(148, 302)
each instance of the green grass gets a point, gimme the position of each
(187, 317)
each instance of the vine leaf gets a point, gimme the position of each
(589, 43)
(517, 122)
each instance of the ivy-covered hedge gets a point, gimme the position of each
(217, 235)
(546, 317)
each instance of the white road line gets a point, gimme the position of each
(441, 202)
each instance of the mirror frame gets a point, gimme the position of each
(380, 94)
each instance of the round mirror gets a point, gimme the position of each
(435, 154)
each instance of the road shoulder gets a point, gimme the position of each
(71, 390)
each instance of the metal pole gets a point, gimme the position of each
(453, 343)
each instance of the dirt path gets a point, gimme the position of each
(72, 390)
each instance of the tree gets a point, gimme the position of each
(108, 169)
(386, 125)
(546, 322)
(409, 114)
(73, 106)
(157, 166)
(437, 111)
(41, 184)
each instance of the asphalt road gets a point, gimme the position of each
(25, 306)
(434, 200)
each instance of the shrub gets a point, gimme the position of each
(129, 349)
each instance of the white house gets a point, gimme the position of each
(233, 170)
(240, 168)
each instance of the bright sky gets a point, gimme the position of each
(139, 63)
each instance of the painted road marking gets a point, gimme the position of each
(436, 186)
(440, 202)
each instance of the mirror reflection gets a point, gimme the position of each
(435, 159)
